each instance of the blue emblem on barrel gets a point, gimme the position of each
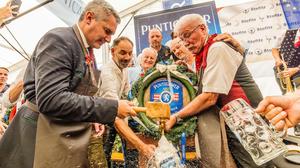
(160, 91)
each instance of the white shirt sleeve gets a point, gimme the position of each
(222, 65)
(109, 85)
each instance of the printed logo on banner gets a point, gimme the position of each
(160, 91)
(171, 4)
(255, 24)
(166, 20)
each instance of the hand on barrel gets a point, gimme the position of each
(170, 123)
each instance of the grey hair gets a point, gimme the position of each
(139, 57)
(151, 50)
(100, 8)
(191, 18)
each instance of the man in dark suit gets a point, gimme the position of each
(53, 127)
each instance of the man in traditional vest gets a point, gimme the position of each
(223, 76)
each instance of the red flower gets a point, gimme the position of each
(142, 74)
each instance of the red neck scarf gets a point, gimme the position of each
(201, 57)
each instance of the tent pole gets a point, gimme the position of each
(26, 12)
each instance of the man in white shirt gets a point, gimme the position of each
(223, 76)
(115, 85)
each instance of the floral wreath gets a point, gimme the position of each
(180, 73)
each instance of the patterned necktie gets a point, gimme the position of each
(90, 58)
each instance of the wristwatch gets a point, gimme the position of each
(178, 119)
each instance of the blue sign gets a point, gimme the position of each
(171, 4)
(291, 10)
(160, 92)
(166, 20)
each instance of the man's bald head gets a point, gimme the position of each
(155, 38)
(190, 20)
(193, 30)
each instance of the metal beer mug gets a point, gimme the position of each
(252, 131)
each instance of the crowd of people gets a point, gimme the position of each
(66, 101)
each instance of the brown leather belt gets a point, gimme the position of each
(31, 106)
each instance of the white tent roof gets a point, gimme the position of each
(27, 30)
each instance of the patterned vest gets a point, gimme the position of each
(290, 54)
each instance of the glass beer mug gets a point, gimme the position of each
(252, 131)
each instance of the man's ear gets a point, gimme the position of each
(89, 16)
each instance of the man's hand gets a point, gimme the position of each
(170, 123)
(99, 129)
(288, 73)
(278, 62)
(7, 11)
(281, 111)
(148, 150)
(228, 38)
(125, 109)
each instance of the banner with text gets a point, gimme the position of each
(256, 24)
(166, 20)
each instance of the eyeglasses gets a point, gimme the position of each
(188, 34)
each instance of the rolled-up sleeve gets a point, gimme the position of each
(53, 69)
(222, 65)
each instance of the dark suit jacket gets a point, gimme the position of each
(55, 69)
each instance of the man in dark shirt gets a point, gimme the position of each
(155, 37)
